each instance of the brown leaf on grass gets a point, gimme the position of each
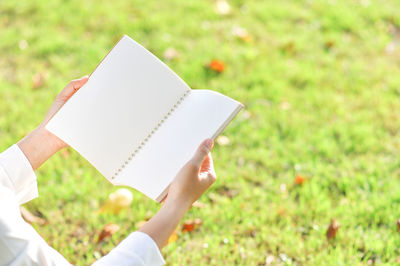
(289, 48)
(332, 229)
(173, 238)
(39, 79)
(217, 66)
(398, 225)
(329, 45)
(190, 225)
(30, 217)
(299, 180)
(107, 232)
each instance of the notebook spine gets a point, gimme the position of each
(150, 134)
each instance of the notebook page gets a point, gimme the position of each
(202, 114)
(123, 100)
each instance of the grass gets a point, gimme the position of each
(321, 82)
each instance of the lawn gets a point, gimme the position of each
(321, 85)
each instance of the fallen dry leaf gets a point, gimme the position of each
(222, 7)
(329, 45)
(173, 238)
(190, 225)
(30, 217)
(332, 229)
(398, 225)
(223, 140)
(117, 201)
(299, 180)
(107, 232)
(39, 79)
(217, 66)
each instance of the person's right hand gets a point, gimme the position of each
(194, 178)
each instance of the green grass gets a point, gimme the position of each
(321, 89)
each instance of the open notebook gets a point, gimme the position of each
(137, 122)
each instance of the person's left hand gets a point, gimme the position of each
(40, 144)
(60, 100)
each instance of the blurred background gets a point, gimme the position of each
(318, 139)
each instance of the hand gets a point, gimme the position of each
(189, 184)
(40, 144)
(194, 178)
(69, 90)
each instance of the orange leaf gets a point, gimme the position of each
(332, 229)
(299, 180)
(107, 232)
(190, 225)
(217, 66)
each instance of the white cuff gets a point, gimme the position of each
(137, 249)
(17, 174)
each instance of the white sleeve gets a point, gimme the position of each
(16, 174)
(137, 249)
(20, 244)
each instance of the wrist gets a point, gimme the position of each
(178, 206)
(38, 146)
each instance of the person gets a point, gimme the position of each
(20, 244)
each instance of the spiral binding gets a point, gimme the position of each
(146, 139)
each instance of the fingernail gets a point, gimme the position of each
(209, 143)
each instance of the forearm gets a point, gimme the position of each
(163, 224)
(38, 146)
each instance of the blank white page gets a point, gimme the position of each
(203, 114)
(125, 97)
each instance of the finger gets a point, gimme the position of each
(201, 153)
(72, 87)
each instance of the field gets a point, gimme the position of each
(318, 140)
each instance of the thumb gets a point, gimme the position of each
(201, 153)
(72, 87)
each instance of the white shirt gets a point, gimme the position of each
(20, 244)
